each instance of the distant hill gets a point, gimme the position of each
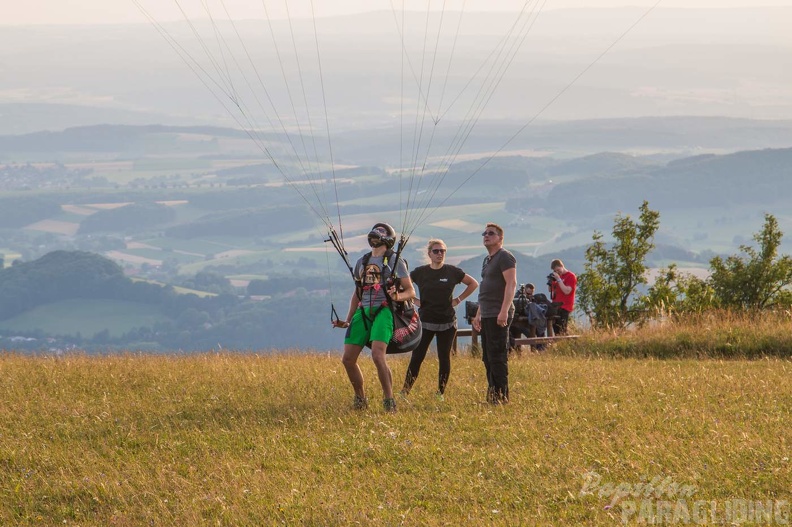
(86, 317)
(26, 118)
(760, 177)
(56, 276)
(129, 218)
(377, 147)
(20, 211)
(102, 138)
(245, 223)
(604, 163)
(83, 299)
(679, 136)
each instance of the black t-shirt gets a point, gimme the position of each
(436, 289)
(493, 285)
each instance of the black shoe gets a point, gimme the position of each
(389, 405)
(360, 403)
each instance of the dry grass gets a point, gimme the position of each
(710, 335)
(245, 439)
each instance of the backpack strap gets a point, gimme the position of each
(386, 274)
(387, 270)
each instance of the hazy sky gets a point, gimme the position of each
(115, 11)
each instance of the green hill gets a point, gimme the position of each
(86, 317)
(758, 177)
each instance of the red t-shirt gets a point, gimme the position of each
(570, 280)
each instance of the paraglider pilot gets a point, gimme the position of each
(369, 319)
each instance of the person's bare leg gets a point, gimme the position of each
(351, 354)
(383, 371)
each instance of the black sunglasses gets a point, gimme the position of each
(489, 233)
(438, 251)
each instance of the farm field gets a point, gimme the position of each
(186, 180)
(84, 316)
(204, 227)
(177, 289)
(260, 439)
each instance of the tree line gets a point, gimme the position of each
(614, 288)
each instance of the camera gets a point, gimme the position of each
(551, 278)
(521, 300)
(471, 308)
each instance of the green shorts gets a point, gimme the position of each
(361, 332)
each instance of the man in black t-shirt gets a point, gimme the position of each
(496, 310)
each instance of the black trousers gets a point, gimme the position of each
(495, 354)
(445, 340)
(560, 324)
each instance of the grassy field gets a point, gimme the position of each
(249, 439)
(712, 334)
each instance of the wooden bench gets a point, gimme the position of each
(532, 341)
(525, 341)
(465, 332)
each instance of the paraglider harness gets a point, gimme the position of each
(407, 328)
(387, 279)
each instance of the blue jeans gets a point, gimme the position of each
(495, 354)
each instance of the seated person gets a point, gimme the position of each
(529, 318)
(520, 326)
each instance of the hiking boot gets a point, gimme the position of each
(496, 398)
(360, 403)
(389, 405)
(491, 399)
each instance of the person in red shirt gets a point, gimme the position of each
(562, 284)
